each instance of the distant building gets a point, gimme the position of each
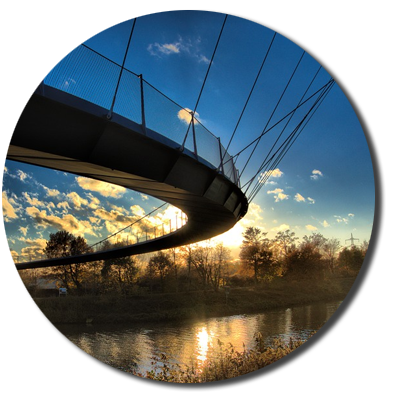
(45, 287)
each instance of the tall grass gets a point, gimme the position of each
(228, 363)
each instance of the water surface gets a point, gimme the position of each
(135, 345)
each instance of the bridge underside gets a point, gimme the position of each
(63, 132)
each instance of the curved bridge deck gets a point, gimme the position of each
(64, 132)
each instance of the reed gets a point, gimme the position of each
(228, 363)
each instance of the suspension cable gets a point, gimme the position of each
(205, 78)
(282, 131)
(128, 226)
(278, 122)
(283, 149)
(109, 115)
(248, 97)
(286, 145)
(273, 112)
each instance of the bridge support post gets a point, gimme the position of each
(194, 137)
(221, 166)
(41, 72)
(142, 105)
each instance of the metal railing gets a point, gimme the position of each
(93, 77)
(132, 234)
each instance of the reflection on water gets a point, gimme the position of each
(187, 342)
(203, 342)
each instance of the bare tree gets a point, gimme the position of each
(285, 241)
(330, 249)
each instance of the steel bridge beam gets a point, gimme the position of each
(60, 131)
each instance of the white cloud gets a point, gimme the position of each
(278, 194)
(22, 175)
(265, 176)
(23, 230)
(27, 59)
(340, 219)
(298, 197)
(316, 174)
(34, 249)
(51, 192)
(77, 200)
(325, 224)
(203, 59)
(68, 222)
(40, 242)
(276, 173)
(94, 201)
(119, 219)
(137, 211)
(310, 200)
(64, 205)
(104, 188)
(311, 227)
(185, 115)
(33, 201)
(9, 212)
(116, 220)
(280, 228)
(121, 210)
(14, 255)
(157, 49)
(252, 218)
(254, 212)
(188, 47)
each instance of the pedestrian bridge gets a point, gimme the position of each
(94, 118)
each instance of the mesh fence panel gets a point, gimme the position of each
(27, 37)
(164, 116)
(87, 75)
(128, 100)
(207, 145)
(228, 166)
(189, 142)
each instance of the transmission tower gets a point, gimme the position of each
(352, 239)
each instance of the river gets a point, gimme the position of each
(135, 345)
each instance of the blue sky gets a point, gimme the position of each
(325, 183)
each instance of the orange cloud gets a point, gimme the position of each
(104, 188)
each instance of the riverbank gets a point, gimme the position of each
(348, 346)
(190, 305)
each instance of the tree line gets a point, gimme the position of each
(205, 266)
